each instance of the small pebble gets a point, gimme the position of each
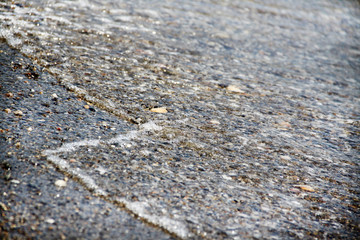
(288, 158)
(284, 124)
(18, 113)
(294, 190)
(235, 89)
(305, 188)
(214, 121)
(159, 110)
(226, 177)
(60, 183)
(3, 206)
(7, 110)
(86, 106)
(50, 221)
(9, 94)
(15, 181)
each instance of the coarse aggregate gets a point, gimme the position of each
(211, 119)
(31, 205)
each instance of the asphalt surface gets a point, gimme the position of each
(199, 120)
(32, 206)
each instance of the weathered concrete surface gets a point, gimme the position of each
(225, 120)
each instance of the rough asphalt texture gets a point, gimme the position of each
(31, 205)
(259, 139)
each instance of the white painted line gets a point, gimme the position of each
(78, 173)
(171, 225)
(139, 208)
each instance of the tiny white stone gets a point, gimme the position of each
(15, 181)
(233, 88)
(101, 170)
(60, 183)
(226, 177)
(50, 221)
(285, 157)
(213, 121)
(18, 112)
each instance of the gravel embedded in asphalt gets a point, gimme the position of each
(32, 206)
(220, 120)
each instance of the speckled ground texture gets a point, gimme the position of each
(31, 205)
(199, 120)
